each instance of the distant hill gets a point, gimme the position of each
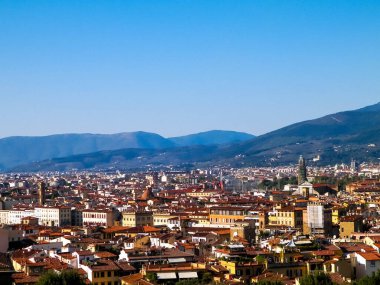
(23, 150)
(335, 138)
(211, 137)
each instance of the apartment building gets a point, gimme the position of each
(227, 215)
(286, 216)
(103, 218)
(137, 218)
(53, 216)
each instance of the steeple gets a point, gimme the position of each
(41, 193)
(301, 170)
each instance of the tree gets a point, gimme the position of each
(206, 278)
(66, 277)
(374, 279)
(152, 277)
(316, 279)
(71, 277)
(260, 259)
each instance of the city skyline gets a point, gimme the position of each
(176, 68)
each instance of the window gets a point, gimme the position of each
(373, 263)
(109, 274)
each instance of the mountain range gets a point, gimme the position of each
(330, 139)
(21, 150)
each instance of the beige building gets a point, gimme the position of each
(137, 218)
(161, 219)
(227, 215)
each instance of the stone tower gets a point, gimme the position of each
(301, 170)
(41, 193)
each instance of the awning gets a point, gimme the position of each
(166, 275)
(186, 275)
(176, 260)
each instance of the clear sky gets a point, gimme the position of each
(178, 67)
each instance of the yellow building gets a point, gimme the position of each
(104, 272)
(137, 219)
(336, 213)
(349, 225)
(242, 270)
(287, 216)
(227, 215)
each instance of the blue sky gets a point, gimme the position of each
(178, 67)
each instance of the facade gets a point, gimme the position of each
(102, 272)
(305, 189)
(102, 218)
(76, 217)
(162, 219)
(227, 215)
(245, 230)
(4, 214)
(287, 216)
(319, 219)
(350, 224)
(53, 216)
(16, 214)
(365, 264)
(137, 219)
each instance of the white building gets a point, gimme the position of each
(103, 218)
(15, 215)
(366, 263)
(53, 216)
(4, 214)
(319, 218)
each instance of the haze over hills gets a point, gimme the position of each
(335, 138)
(21, 150)
(211, 137)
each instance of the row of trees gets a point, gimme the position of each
(66, 277)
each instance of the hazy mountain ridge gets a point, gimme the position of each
(19, 150)
(212, 137)
(336, 138)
